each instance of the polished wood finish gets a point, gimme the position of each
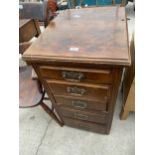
(84, 91)
(129, 86)
(129, 73)
(77, 75)
(81, 67)
(85, 37)
(78, 103)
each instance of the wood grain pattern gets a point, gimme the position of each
(114, 92)
(84, 115)
(128, 85)
(88, 75)
(83, 81)
(84, 91)
(78, 103)
(89, 35)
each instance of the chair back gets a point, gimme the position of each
(28, 28)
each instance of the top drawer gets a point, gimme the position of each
(77, 74)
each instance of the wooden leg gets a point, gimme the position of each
(40, 87)
(124, 114)
(51, 113)
(107, 132)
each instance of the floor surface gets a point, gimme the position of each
(40, 135)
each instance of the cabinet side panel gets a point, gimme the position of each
(115, 89)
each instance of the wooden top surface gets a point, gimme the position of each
(22, 22)
(89, 35)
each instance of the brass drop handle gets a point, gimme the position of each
(72, 76)
(80, 116)
(79, 104)
(76, 91)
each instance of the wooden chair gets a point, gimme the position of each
(31, 92)
(128, 86)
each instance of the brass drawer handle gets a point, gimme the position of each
(76, 91)
(79, 104)
(72, 76)
(80, 116)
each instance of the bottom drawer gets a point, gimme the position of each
(85, 125)
(84, 115)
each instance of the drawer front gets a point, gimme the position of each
(77, 103)
(85, 125)
(85, 91)
(77, 75)
(83, 115)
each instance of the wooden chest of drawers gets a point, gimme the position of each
(80, 62)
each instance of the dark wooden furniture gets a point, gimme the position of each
(79, 60)
(128, 86)
(31, 92)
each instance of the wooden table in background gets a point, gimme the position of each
(79, 59)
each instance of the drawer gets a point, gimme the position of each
(77, 75)
(94, 127)
(78, 103)
(83, 115)
(84, 91)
